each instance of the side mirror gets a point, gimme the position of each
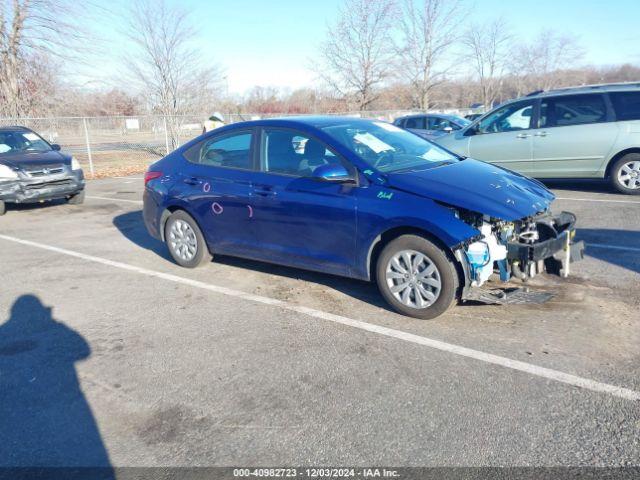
(55, 147)
(332, 173)
(447, 129)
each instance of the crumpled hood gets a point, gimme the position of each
(34, 159)
(477, 186)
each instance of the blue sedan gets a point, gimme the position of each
(357, 198)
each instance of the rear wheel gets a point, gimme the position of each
(416, 277)
(77, 199)
(185, 240)
(625, 174)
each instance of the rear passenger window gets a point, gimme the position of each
(415, 122)
(626, 105)
(572, 110)
(230, 151)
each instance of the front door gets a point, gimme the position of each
(216, 183)
(504, 137)
(300, 221)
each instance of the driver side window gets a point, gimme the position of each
(287, 152)
(516, 116)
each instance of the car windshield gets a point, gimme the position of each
(388, 148)
(463, 122)
(15, 142)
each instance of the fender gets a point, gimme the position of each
(168, 208)
(435, 220)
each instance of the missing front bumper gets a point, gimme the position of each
(556, 252)
(552, 252)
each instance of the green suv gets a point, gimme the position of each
(580, 132)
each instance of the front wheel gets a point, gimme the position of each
(185, 240)
(416, 277)
(625, 174)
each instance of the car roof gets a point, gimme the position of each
(442, 115)
(595, 88)
(15, 128)
(316, 121)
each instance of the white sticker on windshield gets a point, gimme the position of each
(32, 137)
(372, 142)
(387, 126)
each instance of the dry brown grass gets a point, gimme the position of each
(116, 163)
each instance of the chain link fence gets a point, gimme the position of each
(118, 145)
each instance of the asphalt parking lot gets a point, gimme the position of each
(139, 362)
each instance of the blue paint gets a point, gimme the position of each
(326, 224)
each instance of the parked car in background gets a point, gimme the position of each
(362, 199)
(581, 132)
(32, 170)
(431, 126)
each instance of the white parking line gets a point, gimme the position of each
(597, 200)
(543, 372)
(612, 247)
(93, 197)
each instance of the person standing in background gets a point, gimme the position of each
(214, 121)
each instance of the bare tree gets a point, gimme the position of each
(358, 49)
(486, 50)
(540, 64)
(32, 33)
(428, 29)
(165, 62)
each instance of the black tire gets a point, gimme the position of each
(202, 254)
(3, 208)
(615, 171)
(447, 275)
(77, 199)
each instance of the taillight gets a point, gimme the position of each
(150, 176)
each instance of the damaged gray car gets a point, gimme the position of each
(33, 170)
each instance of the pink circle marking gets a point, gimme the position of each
(206, 187)
(217, 208)
(250, 211)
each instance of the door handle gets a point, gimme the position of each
(540, 134)
(192, 181)
(523, 135)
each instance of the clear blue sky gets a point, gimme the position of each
(273, 42)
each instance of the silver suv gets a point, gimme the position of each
(580, 132)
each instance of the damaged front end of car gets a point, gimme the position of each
(516, 250)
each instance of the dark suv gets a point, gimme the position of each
(32, 170)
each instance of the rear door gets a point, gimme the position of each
(504, 137)
(575, 136)
(216, 184)
(301, 221)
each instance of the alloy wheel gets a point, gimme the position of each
(629, 175)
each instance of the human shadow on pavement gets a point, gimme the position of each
(47, 428)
